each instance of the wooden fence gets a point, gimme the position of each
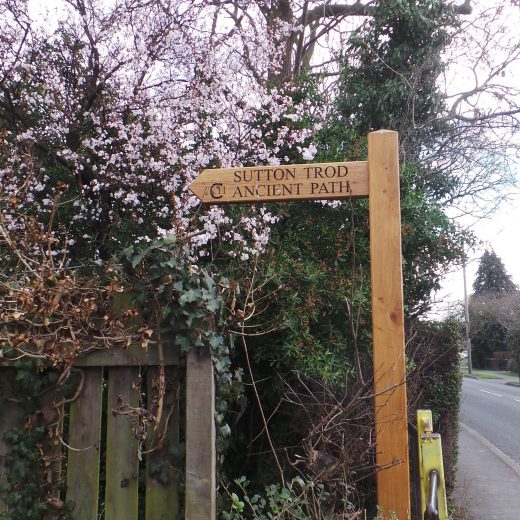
(98, 461)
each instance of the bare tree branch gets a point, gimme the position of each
(327, 10)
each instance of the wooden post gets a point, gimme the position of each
(200, 437)
(391, 425)
(84, 438)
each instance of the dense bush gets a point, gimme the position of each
(435, 383)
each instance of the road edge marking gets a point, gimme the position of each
(492, 393)
(506, 459)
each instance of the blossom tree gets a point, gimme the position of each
(108, 116)
(109, 109)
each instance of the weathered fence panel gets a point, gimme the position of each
(98, 461)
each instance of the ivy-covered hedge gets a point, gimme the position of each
(435, 383)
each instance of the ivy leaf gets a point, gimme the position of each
(183, 342)
(137, 259)
(221, 364)
(172, 263)
(213, 305)
(208, 282)
(190, 296)
(169, 240)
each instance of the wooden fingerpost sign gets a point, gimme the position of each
(377, 179)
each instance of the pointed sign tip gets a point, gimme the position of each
(196, 190)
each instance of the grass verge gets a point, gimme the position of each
(480, 374)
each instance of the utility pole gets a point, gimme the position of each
(466, 315)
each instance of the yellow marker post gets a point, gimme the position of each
(433, 487)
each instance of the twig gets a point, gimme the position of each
(78, 389)
(6, 237)
(162, 378)
(250, 370)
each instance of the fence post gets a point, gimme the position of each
(200, 437)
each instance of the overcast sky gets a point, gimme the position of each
(500, 231)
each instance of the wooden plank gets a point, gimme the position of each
(134, 355)
(12, 415)
(162, 498)
(393, 481)
(84, 440)
(340, 180)
(122, 466)
(200, 437)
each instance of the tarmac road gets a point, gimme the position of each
(493, 409)
(488, 475)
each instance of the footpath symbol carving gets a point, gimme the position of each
(341, 180)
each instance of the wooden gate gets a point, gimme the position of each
(102, 452)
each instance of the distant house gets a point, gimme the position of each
(503, 360)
